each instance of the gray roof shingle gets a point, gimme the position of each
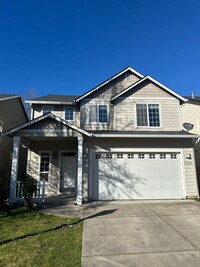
(56, 98)
(2, 96)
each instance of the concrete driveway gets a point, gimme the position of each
(150, 233)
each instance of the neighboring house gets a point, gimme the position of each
(12, 113)
(191, 113)
(121, 140)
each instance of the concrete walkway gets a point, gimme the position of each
(136, 233)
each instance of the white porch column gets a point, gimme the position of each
(79, 197)
(14, 169)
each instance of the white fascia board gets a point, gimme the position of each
(145, 136)
(50, 102)
(109, 80)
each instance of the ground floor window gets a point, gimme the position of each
(44, 165)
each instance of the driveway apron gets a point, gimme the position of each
(136, 233)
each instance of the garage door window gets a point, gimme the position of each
(148, 115)
(141, 156)
(173, 156)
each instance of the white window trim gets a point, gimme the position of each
(97, 105)
(148, 103)
(50, 160)
(73, 114)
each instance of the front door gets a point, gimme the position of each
(68, 172)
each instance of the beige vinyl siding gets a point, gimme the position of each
(191, 113)
(126, 119)
(151, 90)
(190, 173)
(114, 87)
(11, 114)
(86, 125)
(57, 110)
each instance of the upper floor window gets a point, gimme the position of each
(148, 115)
(69, 114)
(98, 114)
(103, 114)
(47, 110)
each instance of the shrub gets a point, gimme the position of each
(29, 189)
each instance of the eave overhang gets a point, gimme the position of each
(149, 135)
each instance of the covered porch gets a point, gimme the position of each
(55, 155)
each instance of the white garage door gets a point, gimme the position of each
(137, 176)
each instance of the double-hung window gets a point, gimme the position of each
(103, 114)
(69, 114)
(148, 115)
(98, 114)
(44, 165)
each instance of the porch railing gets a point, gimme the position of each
(38, 195)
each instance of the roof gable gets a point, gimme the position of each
(128, 69)
(43, 121)
(149, 78)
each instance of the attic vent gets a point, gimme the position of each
(128, 78)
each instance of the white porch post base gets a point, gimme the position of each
(79, 197)
(14, 169)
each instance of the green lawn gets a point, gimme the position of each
(28, 238)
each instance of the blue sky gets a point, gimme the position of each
(68, 47)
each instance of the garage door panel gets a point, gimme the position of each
(137, 176)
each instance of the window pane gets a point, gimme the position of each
(44, 165)
(103, 116)
(154, 118)
(69, 114)
(93, 114)
(141, 115)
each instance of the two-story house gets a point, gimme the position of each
(121, 140)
